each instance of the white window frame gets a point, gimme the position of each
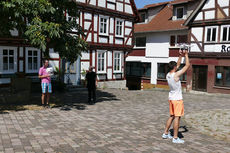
(228, 32)
(206, 33)
(38, 60)
(183, 13)
(114, 61)
(104, 71)
(122, 28)
(107, 25)
(1, 60)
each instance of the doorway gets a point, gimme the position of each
(200, 78)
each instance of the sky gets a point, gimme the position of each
(142, 3)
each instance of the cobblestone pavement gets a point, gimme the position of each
(121, 122)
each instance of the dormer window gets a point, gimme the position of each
(143, 16)
(179, 13)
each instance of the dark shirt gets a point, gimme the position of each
(91, 79)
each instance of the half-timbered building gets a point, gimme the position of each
(158, 38)
(108, 26)
(210, 47)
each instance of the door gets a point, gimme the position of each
(200, 78)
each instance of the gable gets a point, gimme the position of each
(210, 10)
(123, 6)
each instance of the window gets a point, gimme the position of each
(140, 42)
(226, 33)
(101, 62)
(180, 12)
(32, 59)
(142, 17)
(119, 28)
(163, 71)
(223, 76)
(211, 34)
(117, 62)
(179, 39)
(103, 25)
(138, 69)
(8, 60)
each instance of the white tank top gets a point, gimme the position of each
(175, 92)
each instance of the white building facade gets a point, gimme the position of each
(158, 39)
(108, 27)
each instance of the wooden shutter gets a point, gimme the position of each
(172, 40)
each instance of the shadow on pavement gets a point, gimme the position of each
(65, 101)
(180, 135)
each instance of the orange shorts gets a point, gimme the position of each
(176, 107)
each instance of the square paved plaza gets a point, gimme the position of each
(121, 121)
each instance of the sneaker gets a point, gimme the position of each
(167, 136)
(177, 140)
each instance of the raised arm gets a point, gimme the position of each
(179, 60)
(184, 69)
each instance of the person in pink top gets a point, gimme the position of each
(45, 83)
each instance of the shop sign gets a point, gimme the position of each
(225, 49)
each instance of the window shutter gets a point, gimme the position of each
(172, 40)
(182, 39)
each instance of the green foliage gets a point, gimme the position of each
(43, 24)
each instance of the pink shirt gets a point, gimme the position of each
(42, 71)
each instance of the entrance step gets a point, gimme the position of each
(76, 88)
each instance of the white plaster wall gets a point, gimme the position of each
(226, 11)
(95, 37)
(209, 15)
(195, 48)
(111, 6)
(83, 1)
(128, 24)
(103, 40)
(21, 52)
(109, 74)
(21, 64)
(199, 16)
(111, 25)
(198, 33)
(95, 22)
(85, 55)
(128, 9)
(93, 2)
(101, 3)
(89, 38)
(127, 31)
(214, 48)
(88, 16)
(157, 45)
(129, 42)
(111, 39)
(223, 3)
(119, 6)
(87, 25)
(84, 66)
(109, 58)
(210, 4)
(118, 41)
(93, 59)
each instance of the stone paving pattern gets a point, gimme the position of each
(121, 122)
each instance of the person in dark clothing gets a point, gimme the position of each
(91, 85)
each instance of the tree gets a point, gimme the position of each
(43, 24)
